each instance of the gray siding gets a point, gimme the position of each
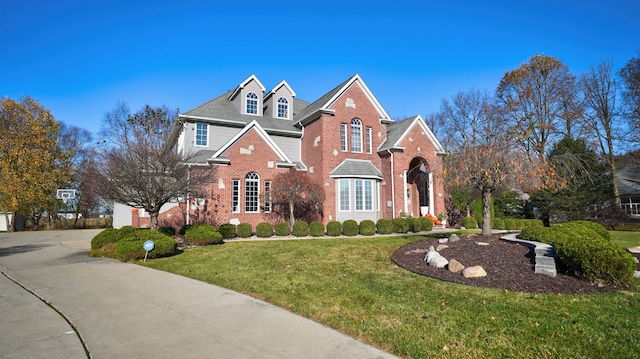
(290, 146)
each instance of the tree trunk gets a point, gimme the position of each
(486, 211)
(154, 220)
(291, 218)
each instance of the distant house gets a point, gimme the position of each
(629, 187)
(369, 165)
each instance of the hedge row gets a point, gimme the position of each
(510, 224)
(585, 249)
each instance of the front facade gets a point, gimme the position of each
(369, 166)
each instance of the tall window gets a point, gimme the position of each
(252, 103)
(267, 196)
(344, 194)
(369, 143)
(283, 108)
(356, 135)
(251, 188)
(235, 196)
(202, 134)
(343, 137)
(364, 195)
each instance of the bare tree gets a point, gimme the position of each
(137, 167)
(600, 89)
(630, 77)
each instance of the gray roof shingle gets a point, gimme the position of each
(356, 168)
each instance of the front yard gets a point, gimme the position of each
(351, 285)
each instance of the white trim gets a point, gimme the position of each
(244, 83)
(356, 78)
(418, 119)
(281, 84)
(431, 199)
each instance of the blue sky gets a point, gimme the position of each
(80, 58)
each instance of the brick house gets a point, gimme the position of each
(369, 165)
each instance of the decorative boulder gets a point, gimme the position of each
(474, 272)
(482, 244)
(455, 266)
(431, 254)
(443, 240)
(441, 247)
(453, 238)
(438, 262)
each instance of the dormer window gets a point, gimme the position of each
(252, 103)
(283, 108)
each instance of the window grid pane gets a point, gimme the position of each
(356, 135)
(251, 192)
(359, 195)
(368, 196)
(252, 103)
(369, 144)
(201, 134)
(235, 196)
(344, 195)
(343, 136)
(283, 108)
(267, 196)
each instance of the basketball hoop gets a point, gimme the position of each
(66, 194)
(65, 197)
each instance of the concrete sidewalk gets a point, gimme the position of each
(122, 310)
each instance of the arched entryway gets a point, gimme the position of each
(419, 188)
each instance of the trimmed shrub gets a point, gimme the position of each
(415, 225)
(168, 230)
(497, 223)
(510, 224)
(427, 223)
(184, 228)
(244, 230)
(367, 227)
(125, 231)
(384, 226)
(350, 228)
(109, 235)
(400, 225)
(132, 246)
(202, 235)
(334, 228)
(282, 229)
(264, 230)
(300, 229)
(228, 231)
(469, 223)
(596, 227)
(316, 229)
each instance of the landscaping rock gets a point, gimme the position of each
(438, 262)
(441, 247)
(453, 238)
(482, 244)
(430, 254)
(443, 240)
(634, 249)
(474, 272)
(455, 266)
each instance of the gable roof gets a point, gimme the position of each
(356, 168)
(244, 83)
(397, 131)
(282, 83)
(323, 104)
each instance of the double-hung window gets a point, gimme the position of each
(202, 134)
(344, 194)
(252, 103)
(343, 137)
(368, 140)
(235, 196)
(356, 135)
(267, 196)
(252, 192)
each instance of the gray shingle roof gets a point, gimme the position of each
(321, 102)
(356, 168)
(629, 181)
(395, 132)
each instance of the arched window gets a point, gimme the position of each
(252, 103)
(283, 108)
(252, 192)
(356, 135)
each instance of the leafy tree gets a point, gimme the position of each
(296, 197)
(29, 157)
(540, 97)
(136, 166)
(509, 204)
(483, 155)
(630, 76)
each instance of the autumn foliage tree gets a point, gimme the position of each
(296, 196)
(29, 157)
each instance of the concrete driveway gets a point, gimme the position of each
(56, 302)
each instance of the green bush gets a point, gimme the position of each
(497, 223)
(282, 229)
(316, 229)
(596, 227)
(384, 226)
(183, 229)
(168, 230)
(585, 252)
(244, 230)
(132, 246)
(415, 225)
(367, 227)
(510, 224)
(228, 231)
(264, 230)
(300, 229)
(202, 235)
(427, 223)
(400, 225)
(350, 228)
(469, 223)
(125, 231)
(334, 228)
(109, 235)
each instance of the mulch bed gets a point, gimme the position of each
(508, 265)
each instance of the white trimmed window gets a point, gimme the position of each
(202, 134)
(267, 196)
(235, 196)
(252, 103)
(251, 192)
(283, 108)
(344, 194)
(343, 137)
(356, 135)
(368, 139)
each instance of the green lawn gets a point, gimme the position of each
(352, 286)
(625, 239)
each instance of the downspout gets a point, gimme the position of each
(393, 187)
